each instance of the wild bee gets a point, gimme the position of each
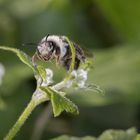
(56, 47)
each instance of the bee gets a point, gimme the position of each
(57, 47)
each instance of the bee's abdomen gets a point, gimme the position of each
(67, 59)
(67, 63)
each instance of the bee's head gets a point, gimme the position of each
(45, 47)
(52, 45)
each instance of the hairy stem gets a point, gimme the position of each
(30, 107)
(37, 98)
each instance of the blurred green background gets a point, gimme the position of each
(110, 29)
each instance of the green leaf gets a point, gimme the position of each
(22, 56)
(129, 134)
(59, 102)
(73, 58)
(65, 137)
(42, 72)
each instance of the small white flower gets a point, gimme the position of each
(2, 72)
(81, 84)
(79, 78)
(39, 80)
(81, 74)
(49, 78)
(74, 74)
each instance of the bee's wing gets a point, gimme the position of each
(79, 52)
(82, 53)
(88, 52)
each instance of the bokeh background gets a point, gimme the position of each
(110, 29)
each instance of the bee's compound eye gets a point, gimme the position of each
(50, 47)
(50, 44)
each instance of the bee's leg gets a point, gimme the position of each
(57, 55)
(57, 60)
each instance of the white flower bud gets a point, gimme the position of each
(49, 78)
(81, 78)
(49, 73)
(2, 72)
(74, 74)
(81, 74)
(81, 84)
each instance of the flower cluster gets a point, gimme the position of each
(79, 78)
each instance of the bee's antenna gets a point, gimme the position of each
(29, 44)
(47, 36)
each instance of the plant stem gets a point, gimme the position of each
(30, 107)
(37, 98)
